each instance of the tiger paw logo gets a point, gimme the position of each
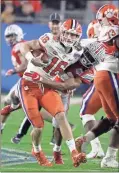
(109, 13)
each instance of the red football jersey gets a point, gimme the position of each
(16, 57)
(78, 70)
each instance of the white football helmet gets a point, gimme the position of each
(71, 32)
(14, 33)
(108, 15)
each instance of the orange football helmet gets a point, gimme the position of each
(93, 29)
(71, 31)
(108, 15)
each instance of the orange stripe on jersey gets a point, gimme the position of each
(16, 56)
(16, 53)
(58, 79)
(110, 49)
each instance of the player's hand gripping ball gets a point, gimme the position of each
(40, 56)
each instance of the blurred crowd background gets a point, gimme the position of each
(38, 11)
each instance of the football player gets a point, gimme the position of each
(54, 25)
(91, 102)
(60, 56)
(14, 36)
(88, 119)
(107, 161)
(107, 71)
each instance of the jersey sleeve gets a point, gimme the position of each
(45, 41)
(85, 42)
(18, 61)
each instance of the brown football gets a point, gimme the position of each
(41, 55)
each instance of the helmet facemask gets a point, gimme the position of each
(71, 32)
(69, 38)
(11, 39)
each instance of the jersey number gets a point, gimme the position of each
(44, 38)
(58, 69)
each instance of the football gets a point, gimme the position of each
(41, 55)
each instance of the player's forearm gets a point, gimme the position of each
(72, 83)
(19, 69)
(15, 71)
(54, 85)
(25, 48)
(69, 84)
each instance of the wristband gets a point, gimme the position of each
(14, 71)
(29, 56)
(41, 79)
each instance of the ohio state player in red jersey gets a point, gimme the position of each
(14, 36)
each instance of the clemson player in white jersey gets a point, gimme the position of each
(107, 71)
(96, 146)
(54, 25)
(14, 36)
(61, 55)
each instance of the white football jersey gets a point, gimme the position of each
(85, 42)
(108, 32)
(110, 61)
(59, 60)
(104, 53)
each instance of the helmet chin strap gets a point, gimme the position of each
(68, 49)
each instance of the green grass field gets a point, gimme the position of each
(25, 145)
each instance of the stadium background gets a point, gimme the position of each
(34, 23)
